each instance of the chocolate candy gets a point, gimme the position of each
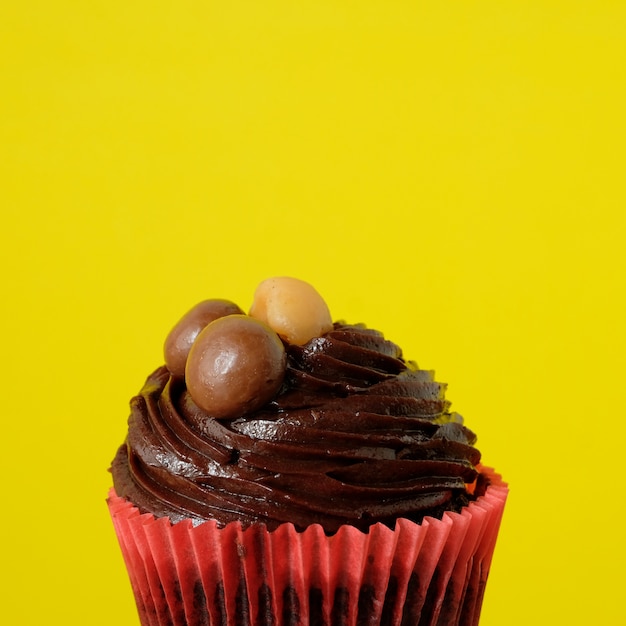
(182, 336)
(292, 308)
(235, 366)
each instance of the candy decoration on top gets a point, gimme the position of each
(235, 366)
(233, 363)
(293, 308)
(183, 335)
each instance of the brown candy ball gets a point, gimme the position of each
(182, 336)
(236, 365)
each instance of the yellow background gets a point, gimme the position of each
(450, 172)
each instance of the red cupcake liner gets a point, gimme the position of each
(428, 574)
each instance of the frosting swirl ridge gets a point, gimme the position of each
(356, 435)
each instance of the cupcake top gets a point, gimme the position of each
(283, 416)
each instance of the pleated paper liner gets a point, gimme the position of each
(428, 574)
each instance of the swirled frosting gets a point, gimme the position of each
(356, 435)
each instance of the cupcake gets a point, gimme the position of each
(282, 469)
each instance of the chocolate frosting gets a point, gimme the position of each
(356, 435)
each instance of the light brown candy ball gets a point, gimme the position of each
(181, 337)
(292, 308)
(235, 366)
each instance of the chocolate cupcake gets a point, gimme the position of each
(284, 469)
